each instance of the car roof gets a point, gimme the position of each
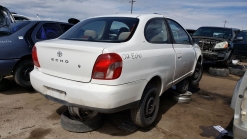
(19, 15)
(131, 15)
(219, 27)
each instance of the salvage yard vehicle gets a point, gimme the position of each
(19, 17)
(216, 43)
(17, 40)
(240, 45)
(239, 104)
(112, 63)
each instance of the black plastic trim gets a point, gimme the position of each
(111, 110)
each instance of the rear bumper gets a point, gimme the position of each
(239, 132)
(101, 98)
(7, 66)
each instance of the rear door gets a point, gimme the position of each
(185, 54)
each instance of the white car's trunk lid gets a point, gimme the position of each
(73, 60)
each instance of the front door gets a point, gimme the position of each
(185, 54)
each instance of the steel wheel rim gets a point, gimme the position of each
(150, 106)
(186, 87)
(82, 114)
(25, 73)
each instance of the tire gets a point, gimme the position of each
(4, 85)
(144, 116)
(197, 75)
(72, 124)
(21, 73)
(182, 86)
(237, 71)
(219, 71)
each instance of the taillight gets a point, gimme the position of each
(107, 67)
(35, 57)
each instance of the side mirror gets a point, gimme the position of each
(73, 21)
(239, 39)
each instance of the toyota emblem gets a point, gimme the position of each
(59, 53)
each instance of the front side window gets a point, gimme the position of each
(103, 29)
(179, 34)
(156, 31)
(243, 34)
(48, 31)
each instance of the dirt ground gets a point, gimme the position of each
(25, 113)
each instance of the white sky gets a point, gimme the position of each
(189, 13)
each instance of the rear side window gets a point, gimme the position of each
(48, 31)
(156, 31)
(65, 27)
(178, 33)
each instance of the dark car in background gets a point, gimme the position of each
(240, 45)
(216, 43)
(17, 40)
(19, 17)
(191, 31)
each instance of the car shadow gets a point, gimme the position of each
(14, 88)
(120, 123)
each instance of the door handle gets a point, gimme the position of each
(179, 55)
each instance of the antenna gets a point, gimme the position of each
(224, 23)
(132, 1)
(38, 17)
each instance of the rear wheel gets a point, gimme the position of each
(182, 86)
(21, 73)
(145, 114)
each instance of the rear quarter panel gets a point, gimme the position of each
(143, 60)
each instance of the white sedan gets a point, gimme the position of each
(113, 63)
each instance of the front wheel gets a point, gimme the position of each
(21, 73)
(197, 75)
(146, 112)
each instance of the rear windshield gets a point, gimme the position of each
(107, 29)
(12, 28)
(214, 32)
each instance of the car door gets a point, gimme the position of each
(240, 47)
(46, 31)
(161, 55)
(185, 54)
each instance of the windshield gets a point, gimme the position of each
(214, 32)
(243, 34)
(103, 29)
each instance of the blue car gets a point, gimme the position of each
(17, 40)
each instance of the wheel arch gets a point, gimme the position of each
(26, 57)
(200, 59)
(155, 81)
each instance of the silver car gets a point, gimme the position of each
(239, 104)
